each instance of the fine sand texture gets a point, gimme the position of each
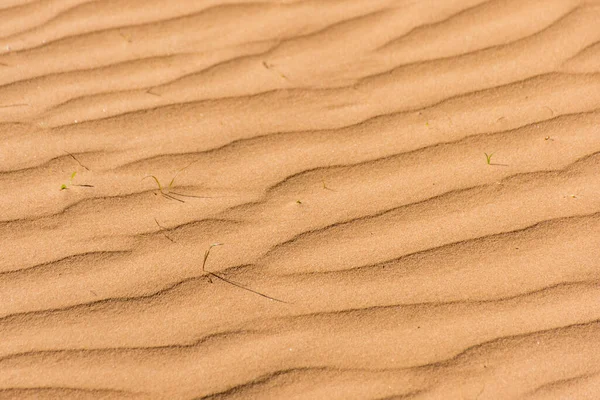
(405, 194)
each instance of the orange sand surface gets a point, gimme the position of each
(335, 149)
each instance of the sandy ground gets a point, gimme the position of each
(335, 148)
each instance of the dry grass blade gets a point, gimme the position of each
(75, 158)
(167, 193)
(150, 91)
(162, 229)
(168, 196)
(326, 187)
(14, 105)
(271, 67)
(212, 274)
(161, 190)
(191, 195)
(156, 180)
(206, 254)
(247, 288)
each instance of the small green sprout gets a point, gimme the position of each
(488, 158)
(67, 185)
(70, 183)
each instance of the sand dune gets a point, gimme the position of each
(336, 151)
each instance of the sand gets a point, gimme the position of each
(335, 149)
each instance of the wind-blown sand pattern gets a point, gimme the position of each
(336, 150)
